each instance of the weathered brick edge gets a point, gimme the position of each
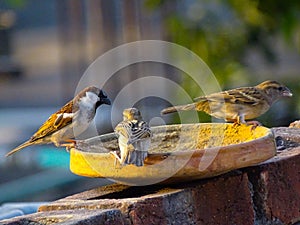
(275, 187)
(268, 193)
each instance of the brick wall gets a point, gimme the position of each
(268, 193)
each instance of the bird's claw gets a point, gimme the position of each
(236, 124)
(70, 145)
(254, 124)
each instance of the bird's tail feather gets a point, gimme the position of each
(178, 108)
(24, 145)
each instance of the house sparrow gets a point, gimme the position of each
(134, 138)
(68, 122)
(237, 105)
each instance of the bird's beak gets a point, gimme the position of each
(103, 98)
(287, 93)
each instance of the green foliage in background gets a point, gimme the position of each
(15, 3)
(222, 32)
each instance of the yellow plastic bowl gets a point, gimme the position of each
(177, 153)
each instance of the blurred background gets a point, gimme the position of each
(45, 47)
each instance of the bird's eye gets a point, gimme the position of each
(280, 88)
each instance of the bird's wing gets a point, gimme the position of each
(133, 130)
(140, 131)
(56, 121)
(244, 95)
(123, 129)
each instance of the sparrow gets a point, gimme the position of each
(239, 104)
(134, 138)
(69, 121)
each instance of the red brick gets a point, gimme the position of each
(277, 188)
(170, 207)
(224, 200)
(149, 211)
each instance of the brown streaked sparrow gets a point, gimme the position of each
(68, 122)
(134, 137)
(239, 104)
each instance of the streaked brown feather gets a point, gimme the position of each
(52, 124)
(49, 127)
(133, 130)
(237, 104)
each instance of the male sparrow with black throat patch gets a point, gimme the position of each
(134, 137)
(239, 104)
(68, 122)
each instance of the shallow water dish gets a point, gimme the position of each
(177, 153)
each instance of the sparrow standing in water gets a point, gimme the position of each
(134, 137)
(237, 105)
(75, 116)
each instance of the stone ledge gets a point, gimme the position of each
(68, 217)
(268, 193)
(201, 202)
